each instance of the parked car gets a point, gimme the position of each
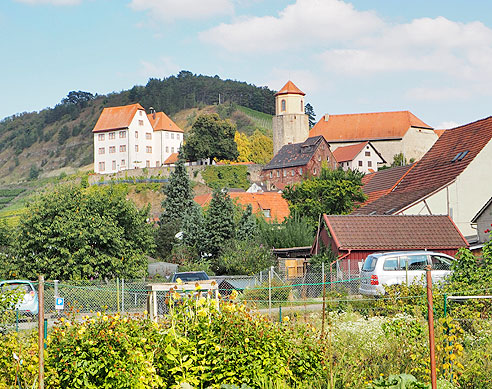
(190, 276)
(400, 267)
(30, 303)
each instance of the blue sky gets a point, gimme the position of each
(433, 58)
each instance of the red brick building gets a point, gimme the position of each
(297, 161)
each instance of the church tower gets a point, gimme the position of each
(290, 123)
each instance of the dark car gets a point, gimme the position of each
(190, 276)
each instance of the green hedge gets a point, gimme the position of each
(11, 192)
(226, 176)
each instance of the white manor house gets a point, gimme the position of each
(127, 138)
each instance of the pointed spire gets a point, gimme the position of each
(290, 89)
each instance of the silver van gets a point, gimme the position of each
(401, 267)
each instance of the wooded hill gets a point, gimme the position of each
(60, 138)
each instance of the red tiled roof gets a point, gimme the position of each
(173, 158)
(114, 118)
(279, 209)
(401, 232)
(366, 126)
(439, 132)
(436, 169)
(290, 89)
(348, 153)
(161, 122)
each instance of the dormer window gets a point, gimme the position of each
(460, 156)
(282, 103)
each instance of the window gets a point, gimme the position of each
(136, 134)
(148, 135)
(167, 135)
(271, 174)
(112, 135)
(415, 262)
(100, 137)
(140, 112)
(101, 166)
(147, 163)
(278, 173)
(167, 149)
(172, 149)
(140, 122)
(314, 171)
(360, 163)
(172, 135)
(266, 213)
(122, 148)
(101, 150)
(122, 134)
(114, 165)
(328, 158)
(123, 162)
(367, 153)
(148, 149)
(136, 148)
(283, 105)
(390, 264)
(156, 163)
(285, 173)
(293, 172)
(319, 158)
(177, 136)
(369, 163)
(440, 263)
(300, 171)
(112, 149)
(302, 106)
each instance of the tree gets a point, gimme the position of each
(243, 146)
(33, 172)
(219, 222)
(76, 233)
(261, 148)
(334, 192)
(211, 137)
(309, 110)
(192, 227)
(78, 98)
(246, 227)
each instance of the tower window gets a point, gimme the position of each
(302, 106)
(283, 105)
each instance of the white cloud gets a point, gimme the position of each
(51, 2)
(446, 125)
(304, 23)
(304, 80)
(438, 94)
(164, 67)
(183, 9)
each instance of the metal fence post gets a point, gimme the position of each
(270, 291)
(117, 294)
(41, 332)
(56, 288)
(323, 274)
(430, 316)
(122, 295)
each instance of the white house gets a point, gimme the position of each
(127, 138)
(360, 156)
(452, 178)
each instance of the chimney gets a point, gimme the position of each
(152, 111)
(327, 117)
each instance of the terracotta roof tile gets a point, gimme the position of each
(161, 122)
(441, 165)
(173, 158)
(114, 118)
(290, 88)
(279, 209)
(348, 153)
(401, 232)
(439, 132)
(366, 126)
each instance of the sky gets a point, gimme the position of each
(433, 58)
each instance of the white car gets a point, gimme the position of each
(29, 304)
(400, 267)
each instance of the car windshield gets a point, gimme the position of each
(189, 277)
(17, 285)
(370, 263)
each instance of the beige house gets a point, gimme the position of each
(453, 178)
(391, 133)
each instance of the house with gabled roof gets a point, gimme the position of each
(353, 237)
(391, 133)
(296, 161)
(453, 178)
(269, 204)
(125, 137)
(359, 156)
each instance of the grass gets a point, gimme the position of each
(261, 119)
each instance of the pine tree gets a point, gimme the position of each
(192, 227)
(246, 228)
(309, 110)
(179, 196)
(219, 222)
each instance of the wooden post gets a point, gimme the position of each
(324, 299)
(41, 331)
(430, 316)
